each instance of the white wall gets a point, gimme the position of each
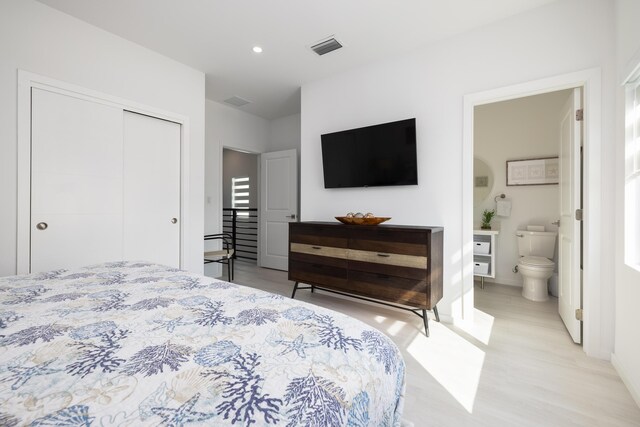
(230, 128)
(627, 338)
(236, 129)
(284, 133)
(429, 84)
(36, 38)
(511, 130)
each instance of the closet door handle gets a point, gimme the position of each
(42, 226)
(174, 220)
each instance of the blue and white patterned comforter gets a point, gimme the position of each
(133, 344)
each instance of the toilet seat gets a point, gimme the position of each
(536, 261)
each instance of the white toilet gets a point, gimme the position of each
(536, 248)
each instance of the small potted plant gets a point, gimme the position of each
(487, 216)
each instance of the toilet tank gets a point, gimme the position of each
(536, 243)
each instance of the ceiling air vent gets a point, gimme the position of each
(326, 46)
(237, 101)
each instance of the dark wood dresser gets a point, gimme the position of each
(393, 265)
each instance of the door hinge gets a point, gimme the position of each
(579, 214)
(579, 115)
(579, 314)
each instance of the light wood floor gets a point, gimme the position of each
(515, 366)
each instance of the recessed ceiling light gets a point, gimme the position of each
(257, 49)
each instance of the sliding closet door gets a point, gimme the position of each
(151, 189)
(76, 182)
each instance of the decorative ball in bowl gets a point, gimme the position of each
(362, 219)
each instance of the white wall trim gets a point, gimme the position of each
(594, 342)
(632, 68)
(504, 281)
(634, 389)
(28, 80)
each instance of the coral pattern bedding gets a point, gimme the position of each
(132, 344)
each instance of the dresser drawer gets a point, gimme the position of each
(399, 290)
(386, 258)
(386, 241)
(319, 250)
(317, 274)
(328, 236)
(389, 270)
(323, 259)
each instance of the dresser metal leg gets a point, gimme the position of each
(435, 311)
(295, 288)
(425, 319)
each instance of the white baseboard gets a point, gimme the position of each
(634, 389)
(444, 318)
(214, 269)
(503, 281)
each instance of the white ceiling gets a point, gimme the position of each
(216, 36)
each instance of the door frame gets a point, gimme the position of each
(28, 80)
(572, 158)
(216, 268)
(598, 311)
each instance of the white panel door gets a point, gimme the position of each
(570, 290)
(76, 182)
(151, 190)
(278, 206)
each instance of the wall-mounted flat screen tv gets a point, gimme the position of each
(371, 156)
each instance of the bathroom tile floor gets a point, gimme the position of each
(514, 366)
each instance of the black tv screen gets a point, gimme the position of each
(371, 156)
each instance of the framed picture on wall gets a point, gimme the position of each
(542, 171)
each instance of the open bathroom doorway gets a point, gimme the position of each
(527, 172)
(240, 202)
(594, 335)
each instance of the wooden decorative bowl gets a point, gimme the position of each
(363, 221)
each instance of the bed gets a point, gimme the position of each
(133, 344)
